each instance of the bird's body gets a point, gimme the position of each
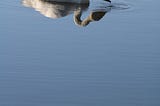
(71, 1)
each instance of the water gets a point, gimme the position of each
(113, 61)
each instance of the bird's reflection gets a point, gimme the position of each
(93, 16)
(58, 10)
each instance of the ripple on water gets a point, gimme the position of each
(119, 6)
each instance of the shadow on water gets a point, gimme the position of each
(56, 10)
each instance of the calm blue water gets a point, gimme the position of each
(54, 62)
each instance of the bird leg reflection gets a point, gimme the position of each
(93, 16)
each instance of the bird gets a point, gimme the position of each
(56, 10)
(73, 1)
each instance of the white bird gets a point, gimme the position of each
(57, 10)
(52, 9)
(71, 1)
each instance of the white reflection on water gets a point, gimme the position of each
(52, 9)
(57, 10)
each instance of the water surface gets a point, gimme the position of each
(48, 61)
